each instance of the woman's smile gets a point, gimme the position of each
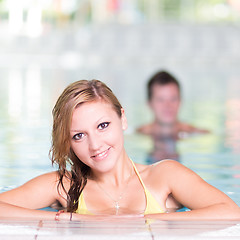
(101, 156)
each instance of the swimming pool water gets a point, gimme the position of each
(25, 121)
(204, 58)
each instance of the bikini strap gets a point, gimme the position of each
(139, 177)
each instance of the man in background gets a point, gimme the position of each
(164, 99)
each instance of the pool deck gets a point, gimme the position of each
(127, 229)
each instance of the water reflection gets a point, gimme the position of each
(33, 92)
(24, 93)
(164, 147)
(232, 125)
(15, 22)
(25, 134)
(15, 94)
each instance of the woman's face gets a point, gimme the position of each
(97, 135)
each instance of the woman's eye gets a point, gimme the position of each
(78, 136)
(104, 125)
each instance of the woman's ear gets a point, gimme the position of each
(124, 120)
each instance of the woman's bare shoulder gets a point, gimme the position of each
(45, 181)
(156, 167)
(168, 167)
(164, 168)
(54, 178)
(50, 177)
(166, 163)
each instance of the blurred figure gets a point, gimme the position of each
(163, 147)
(164, 98)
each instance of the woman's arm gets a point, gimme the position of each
(37, 193)
(189, 189)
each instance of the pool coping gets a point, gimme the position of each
(130, 229)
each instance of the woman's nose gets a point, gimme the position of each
(94, 142)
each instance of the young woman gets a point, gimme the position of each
(96, 178)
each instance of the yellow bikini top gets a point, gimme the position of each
(152, 206)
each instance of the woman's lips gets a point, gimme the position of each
(101, 156)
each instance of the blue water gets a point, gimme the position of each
(32, 77)
(25, 120)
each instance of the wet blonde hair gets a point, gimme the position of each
(75, 94)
